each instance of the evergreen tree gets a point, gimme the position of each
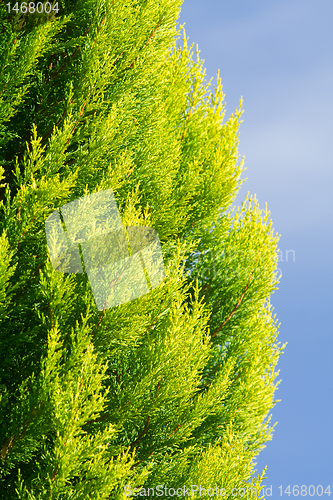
(173, 388)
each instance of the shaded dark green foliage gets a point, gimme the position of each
(174, 387)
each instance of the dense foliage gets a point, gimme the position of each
(173, 388)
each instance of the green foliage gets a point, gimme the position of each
(175, 387)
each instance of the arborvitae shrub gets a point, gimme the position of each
(173, 388)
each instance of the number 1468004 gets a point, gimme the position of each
(32, 7)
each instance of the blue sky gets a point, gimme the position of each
(278, 56)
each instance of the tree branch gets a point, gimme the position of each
(183, 134)
(205, 289)
(56, 125)
(174, 430)
(75, 51)
(150, 37)
(236, 306)
(10, 442)
(30, 280)
(22, 234)
(148, 420)
(113, 282)
(140, 461)
(143, 432)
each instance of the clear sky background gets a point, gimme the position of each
(278, 56)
